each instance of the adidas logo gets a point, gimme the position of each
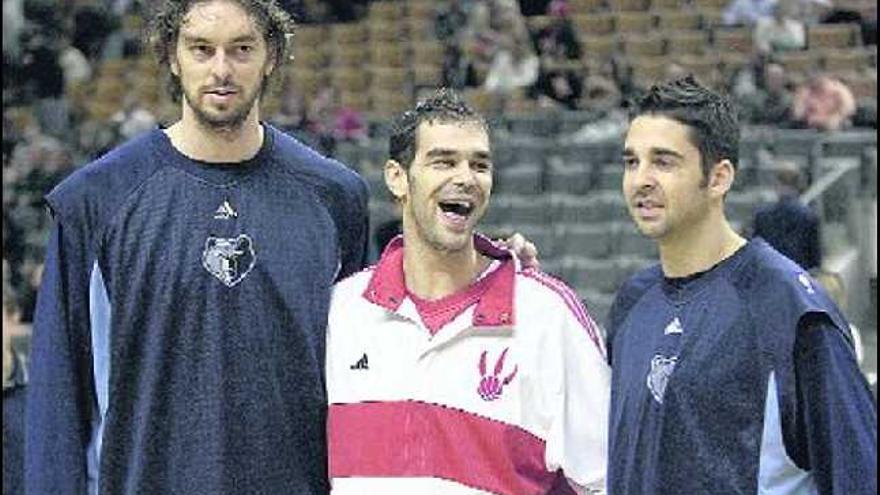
(362, 364)
(225, 211)
(673, 328)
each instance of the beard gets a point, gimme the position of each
(230, 118)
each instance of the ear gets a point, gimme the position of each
(721, 178)
(173, 64)
(396, 179)
(270, 66)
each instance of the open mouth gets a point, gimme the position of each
(456, 212)
(461, 208)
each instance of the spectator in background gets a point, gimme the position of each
(450, 20)
(559, 88)
(824, 103)
(133, 118)
(809, 11)
(559, 80)
(95, 137)
(46, 82)
(14, 381)
(514, 64)
(832, 282)
(292, 116)
(74, 65)
(747, 12)
(332, 122)
(450, 27)
(779, 32)
(789, 225)
(764, 98)
(844, 15)
(38, 162)
(13, 26)
(600, 91)
(558, 41)
(479, 41)
(93, 24)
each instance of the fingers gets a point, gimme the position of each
(524, 249)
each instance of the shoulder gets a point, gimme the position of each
(310, 166)
(546, 292)
(776, 288)
(540, 288)
(92, 193)
(346, 290)
(764, 269)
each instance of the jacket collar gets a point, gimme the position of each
(387, 287)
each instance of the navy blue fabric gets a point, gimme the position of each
(13, 440)
(216, 375)
(753, 314)
(792, 229)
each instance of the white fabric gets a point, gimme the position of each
(560, 393)
(778, 474)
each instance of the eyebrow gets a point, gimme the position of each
(656, 152)
(200, 39)
(666, 152)
(445, 152)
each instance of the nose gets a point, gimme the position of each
(221, 67)
(640, 177)
(465, 176)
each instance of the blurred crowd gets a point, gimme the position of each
(52, 48)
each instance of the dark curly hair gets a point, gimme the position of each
(167, 16)
(445, 106)
(710, 116)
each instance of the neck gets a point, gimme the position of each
(202, 142)
(700, 248)
(433, 274)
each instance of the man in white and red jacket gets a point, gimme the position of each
(451, 369)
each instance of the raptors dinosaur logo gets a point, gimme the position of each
(491, 386)
(230, 260)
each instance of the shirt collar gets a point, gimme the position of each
(387, 287)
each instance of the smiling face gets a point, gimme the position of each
(663, 181)
(221, 60)
(445, 191)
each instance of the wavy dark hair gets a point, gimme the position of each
(166, 17)
(444, 106)
(710, 116)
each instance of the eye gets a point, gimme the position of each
(244, 49)
(201, 49)
(664, 162)
(630, 162)
(444, 163)
(482, 166)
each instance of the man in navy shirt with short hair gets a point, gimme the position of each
(733, 372)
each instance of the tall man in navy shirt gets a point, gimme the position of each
(733, 372)
(179, 338)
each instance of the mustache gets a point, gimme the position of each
(227, 85)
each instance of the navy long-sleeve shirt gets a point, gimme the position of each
(738, 380)
(178, 344)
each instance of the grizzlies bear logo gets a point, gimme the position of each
(230, 260)
(661, 369)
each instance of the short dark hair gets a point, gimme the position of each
(445, 106)
(163, 29)
(710, 116)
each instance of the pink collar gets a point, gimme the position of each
(387, 287)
